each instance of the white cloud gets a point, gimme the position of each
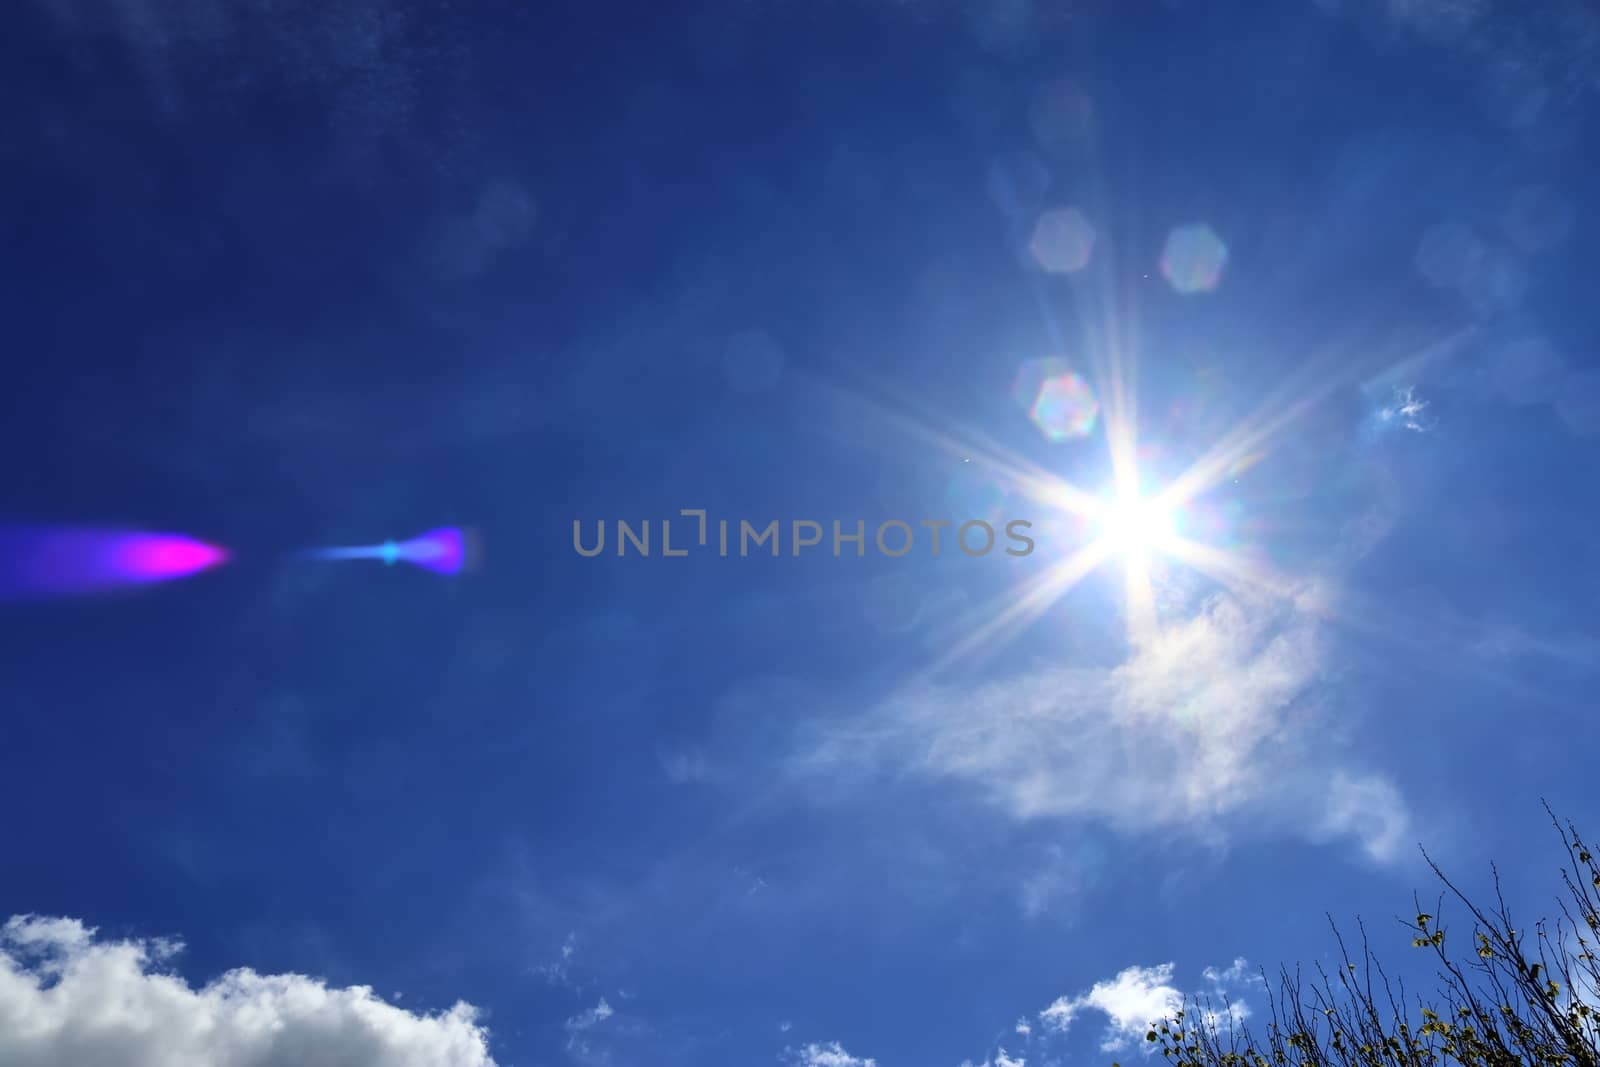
(1000, 1059)
(1237, 973)
(558, 972)
(597, 1014)
(1056, 876)
(1407, 409)
(1215, 717)
(68, 999)
(1131, 1001)
(579, 1025)
(830, 1055)
(1370, 809)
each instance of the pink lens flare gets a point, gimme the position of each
(43, 561)
(443, 551)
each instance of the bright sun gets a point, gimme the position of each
(1138, 525)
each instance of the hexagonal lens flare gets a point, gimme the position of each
(1193, 259)
(1057, 400)
(1063, 241)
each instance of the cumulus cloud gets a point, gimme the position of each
(1140, 996)
(69, 998)
(1131, 1001)
(1215, 717)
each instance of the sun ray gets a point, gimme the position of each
(1008, 470)
(1013, 612)
(1139, 597)
(1112, 366)
(1229, 568)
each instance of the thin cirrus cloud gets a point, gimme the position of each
(1213, 722)
(595, 1015)
(69, 998)
(579, 1025)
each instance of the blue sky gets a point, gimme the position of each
(295, 274)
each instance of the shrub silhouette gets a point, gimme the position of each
(1519, 998)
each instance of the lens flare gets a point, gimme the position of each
(43, 561)
(446, 550)
(1060, 403)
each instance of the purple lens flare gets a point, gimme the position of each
(41, 561)
(443, 551)
(446, 550)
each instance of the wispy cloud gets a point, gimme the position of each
(578, 1028)
(604, 1036)
(1369, 809)
(595, 1015)
(1001, 1058)
(68, 997)
(1407, 408)
(686, 767)
(1236, 973)
(1506, 642)
(831, 1054)
(1214, 719)
(559, 971)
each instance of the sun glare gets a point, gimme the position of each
(1138, 525)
